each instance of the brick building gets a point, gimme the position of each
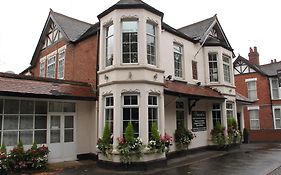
(260, 84)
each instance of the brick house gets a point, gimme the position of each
(260, 84)
(128, 67)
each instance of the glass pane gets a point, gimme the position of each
(26, 122)
(40, 122)
(40, 137)
(150, 29)
(26, 107)
(26, 137)
(69, 107)
(129, 26)
(127, 100)
(135, 113)
(11, 107)
(40, 107)
(55, 122)
(278, 123)
(68, 135)
(134, 100)
(109, 114)
(277, 113)
(10, 138)
(55, 136)
(11, 122)
(126, 113)
(68, 122)
(55, 107)
(1, 106)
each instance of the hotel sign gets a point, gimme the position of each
(279, 76)
(199, 121)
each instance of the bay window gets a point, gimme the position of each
(129, 42)
(229, 110)
(152, 112)
(213, 67)
(226, 68)
(108, 112)
(109, 32)
(130, 107)
(151, 43)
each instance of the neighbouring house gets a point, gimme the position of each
(260, 84)
(128, 67)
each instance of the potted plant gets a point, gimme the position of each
(183, 137)
(218, 136)
(105, 144)
(130, 148)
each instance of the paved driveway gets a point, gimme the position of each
(252, 159)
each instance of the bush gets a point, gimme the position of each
(17, 158)
(4, 163)
(218, 136)
(157, 143)
(183, 137)
(105, 143)
(130, 148)
(37, 158)
(233, 131)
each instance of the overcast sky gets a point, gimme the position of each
(245, 23)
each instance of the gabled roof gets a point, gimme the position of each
(72, 29)
(253, 66)
(27, 86)
(200, 31)
(178, 88)
(271, 68)
(131, 4)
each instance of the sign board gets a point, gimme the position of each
(199, 121)
(279, 76)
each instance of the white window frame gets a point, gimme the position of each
(109, 107)
(226, 68)
(178, 72)
(42, 72)
(278, 89)
(51, 56)
(215, 71)
(216, 110)
(131, 106)
(131, 61)
(254, 108)
(181, 110)
(251, 80)
(150, 55)
(61, 59)
(154, 107)
(229, 109)
(108, 59)
(275, 118)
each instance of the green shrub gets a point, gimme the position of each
(183, 137)
(105, 143)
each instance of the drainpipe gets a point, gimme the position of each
(270, 95)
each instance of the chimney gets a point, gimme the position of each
(254, 56)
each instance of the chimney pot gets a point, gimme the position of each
(274, 60)
(255, 49)
(254, 56)
(271, 61)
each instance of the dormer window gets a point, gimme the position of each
(129, 42)
(151, 43)
(109, 45)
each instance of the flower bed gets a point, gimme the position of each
(19, 160)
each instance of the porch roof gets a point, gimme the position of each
(178, 88)
(27, 86)
(242, 99)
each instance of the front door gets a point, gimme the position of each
(61, 137)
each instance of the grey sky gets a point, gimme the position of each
(246, 23)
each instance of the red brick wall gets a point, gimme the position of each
(264, 103)
(80, 60)
(265, 136)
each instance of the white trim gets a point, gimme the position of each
(250, 79)
(274, 119)
(253, 108)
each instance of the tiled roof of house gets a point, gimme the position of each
(73, 28)
(191, 90)
(27, 86)
(271, 69)
(131, 4)
(242, 98)
(253, 66)
(198, 29)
